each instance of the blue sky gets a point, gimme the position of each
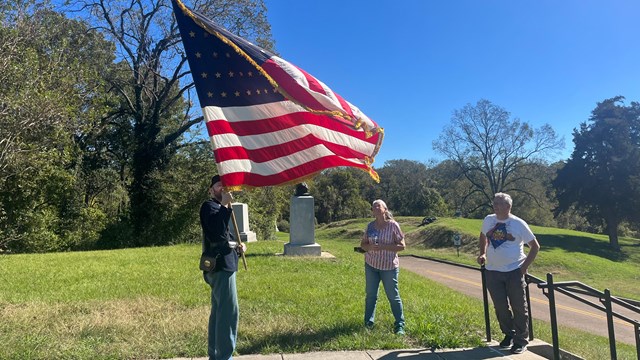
(408, 64)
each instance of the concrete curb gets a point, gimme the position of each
(537, 350)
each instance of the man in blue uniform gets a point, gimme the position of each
(219, 242)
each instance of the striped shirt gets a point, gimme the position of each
(390, 234)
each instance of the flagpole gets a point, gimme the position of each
(235, 225)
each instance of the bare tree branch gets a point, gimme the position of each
(490, 149)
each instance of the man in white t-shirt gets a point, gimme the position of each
(502, 242)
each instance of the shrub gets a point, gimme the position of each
(283, 225)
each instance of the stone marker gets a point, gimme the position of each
(241, 212)
(302, 225)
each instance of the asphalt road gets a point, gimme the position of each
(570, 312)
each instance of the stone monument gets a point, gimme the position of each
(302, 225)
(241, 212)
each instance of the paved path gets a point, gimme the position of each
(570, 312)
(485, 353)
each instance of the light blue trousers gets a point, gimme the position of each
(389, 280)
(223, 321)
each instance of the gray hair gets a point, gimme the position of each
(505, 197)
(387, 214)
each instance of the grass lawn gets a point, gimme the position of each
(152, 303)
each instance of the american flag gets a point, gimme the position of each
(270, 122)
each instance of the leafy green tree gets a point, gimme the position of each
(337, 195)
(266, 206)
(602, 176)
(457, 192)
(154, 86)
(407, 189)
(493, 152)
(181, 190)
(537, 203)
(50, 91)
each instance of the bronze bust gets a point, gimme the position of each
(302, 189)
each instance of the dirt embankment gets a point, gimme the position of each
(436, 236)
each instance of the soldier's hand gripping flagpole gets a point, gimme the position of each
(227, 199)
(235, 225)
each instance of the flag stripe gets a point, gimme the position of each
(283, 123)
(304, 87)
(270, 117)
(244, 131)
(290, 146)
(288, 79)
(243, 171)
(283, 149)
(281, 164)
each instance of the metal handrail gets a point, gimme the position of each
(568, 288)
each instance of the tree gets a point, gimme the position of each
(457, 192)
(538, 212)
(493, 152)
(154, 85)
(50, 92)
(407, 189)
(602, 176)
(337, 195)
(266, 206)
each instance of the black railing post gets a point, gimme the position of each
(529, 308)
(612, 334)
(637, 329)
(485, 300)
(554, 320)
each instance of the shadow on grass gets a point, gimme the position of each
(290, 342)
(584, 244)
(256, 255)
(636, 244)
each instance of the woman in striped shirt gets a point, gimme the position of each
(382, 240)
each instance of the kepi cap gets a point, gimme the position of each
(215, 179)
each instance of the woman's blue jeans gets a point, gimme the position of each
(223, 321)
(389, 280)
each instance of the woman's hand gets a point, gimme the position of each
(367, 246)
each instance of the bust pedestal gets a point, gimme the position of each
(302, 228)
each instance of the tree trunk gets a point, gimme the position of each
(148, 157)
(612, 231)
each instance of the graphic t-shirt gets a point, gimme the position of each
(505, 251)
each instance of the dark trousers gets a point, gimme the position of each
(507, 290)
